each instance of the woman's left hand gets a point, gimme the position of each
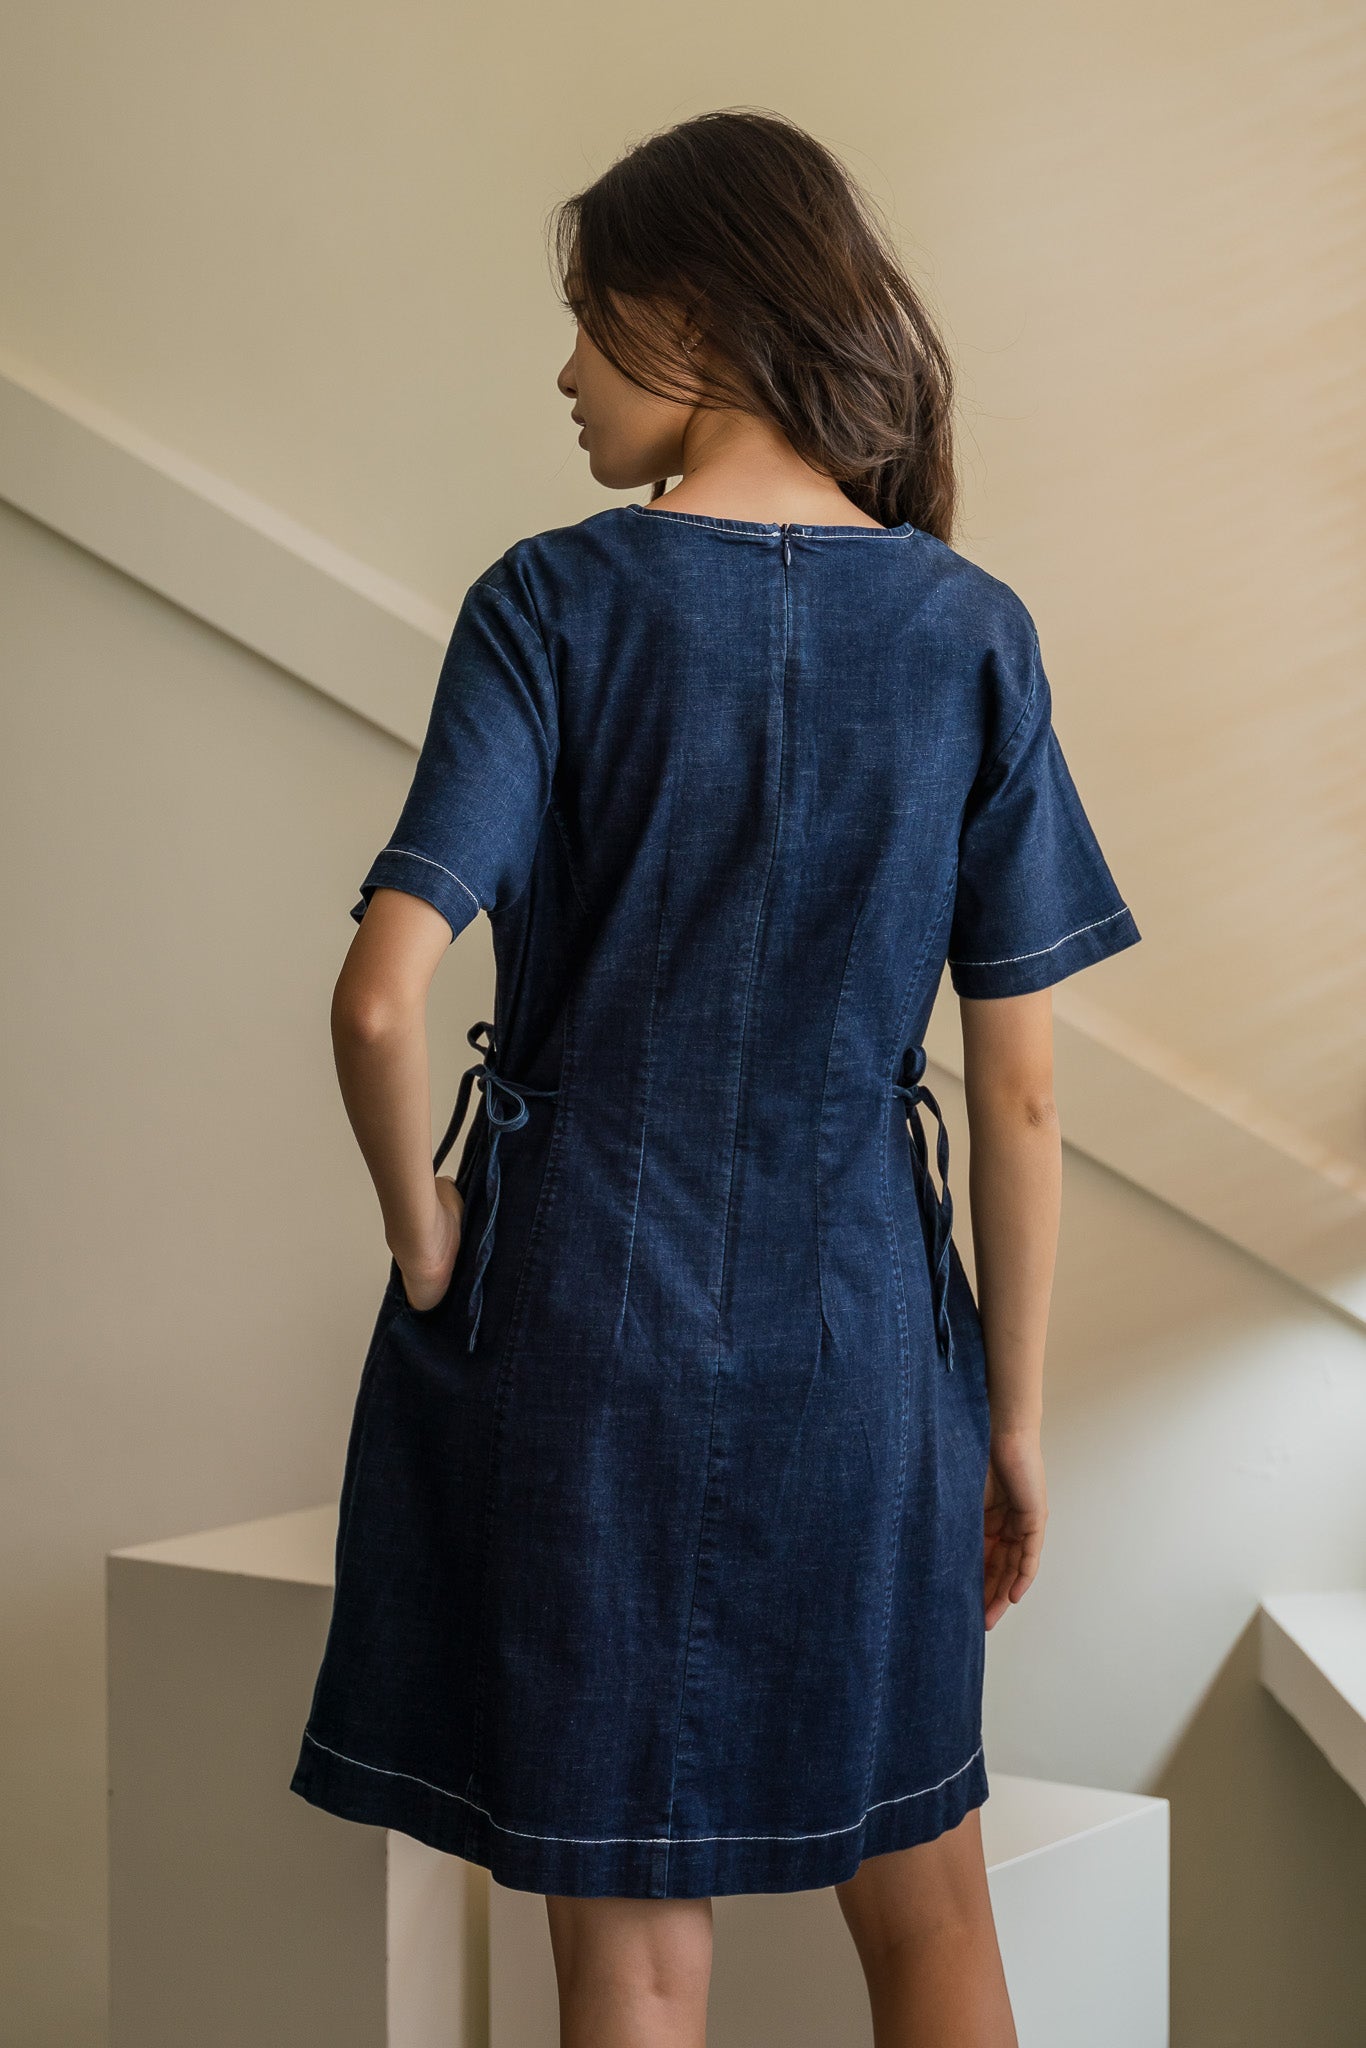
(424, 1287)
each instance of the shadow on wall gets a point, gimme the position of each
(1258, 1816)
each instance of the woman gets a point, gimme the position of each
(686, 1474)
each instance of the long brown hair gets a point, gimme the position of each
(757, 232)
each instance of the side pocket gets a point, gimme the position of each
(472, 1153)
(403, 1307)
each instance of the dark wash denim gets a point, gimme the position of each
(659, 1562)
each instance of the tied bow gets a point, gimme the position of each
(506, 1110)
(940, 1203)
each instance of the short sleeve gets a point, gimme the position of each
(1035, 899)
(466, 837)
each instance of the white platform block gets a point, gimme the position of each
(1312, 1650)
(1079, 1890)
(239, 1914)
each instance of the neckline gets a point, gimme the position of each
(764, 529)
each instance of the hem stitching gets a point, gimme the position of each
(817, 1834)
(408, 854)
(1008, 959)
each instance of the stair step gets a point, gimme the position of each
(1312, 1653)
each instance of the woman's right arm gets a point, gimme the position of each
(379, 1042)
(1015, 1198)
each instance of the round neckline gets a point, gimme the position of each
(765, 529)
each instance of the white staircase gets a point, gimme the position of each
(239, 1913)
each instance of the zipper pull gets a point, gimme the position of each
(787, 552)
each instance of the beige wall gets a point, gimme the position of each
(192, 1256)
(1203, 1442)
(303, 247)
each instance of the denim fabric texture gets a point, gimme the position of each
(659, 1559)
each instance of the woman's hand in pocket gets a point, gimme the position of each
(426, 1287)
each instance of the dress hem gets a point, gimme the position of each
(652, 1867)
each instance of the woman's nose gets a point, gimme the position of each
(565, 380)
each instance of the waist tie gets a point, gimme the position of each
(940, 1205)
(498, 1094)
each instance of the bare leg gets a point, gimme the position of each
(922, 1924)
(632, 1973)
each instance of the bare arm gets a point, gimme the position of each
(1014, 1191)
(379, 1041)
(1015, 1197)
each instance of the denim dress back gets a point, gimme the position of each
(660, 1544)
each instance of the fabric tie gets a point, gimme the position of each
(940, 1210)
(506, 1110)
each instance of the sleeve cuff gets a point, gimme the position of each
(1022, 973)
(416, 874)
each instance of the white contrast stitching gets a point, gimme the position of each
(407, 851)
(1007, 958)
(817, 1834)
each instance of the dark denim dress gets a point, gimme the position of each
(659, 1563)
